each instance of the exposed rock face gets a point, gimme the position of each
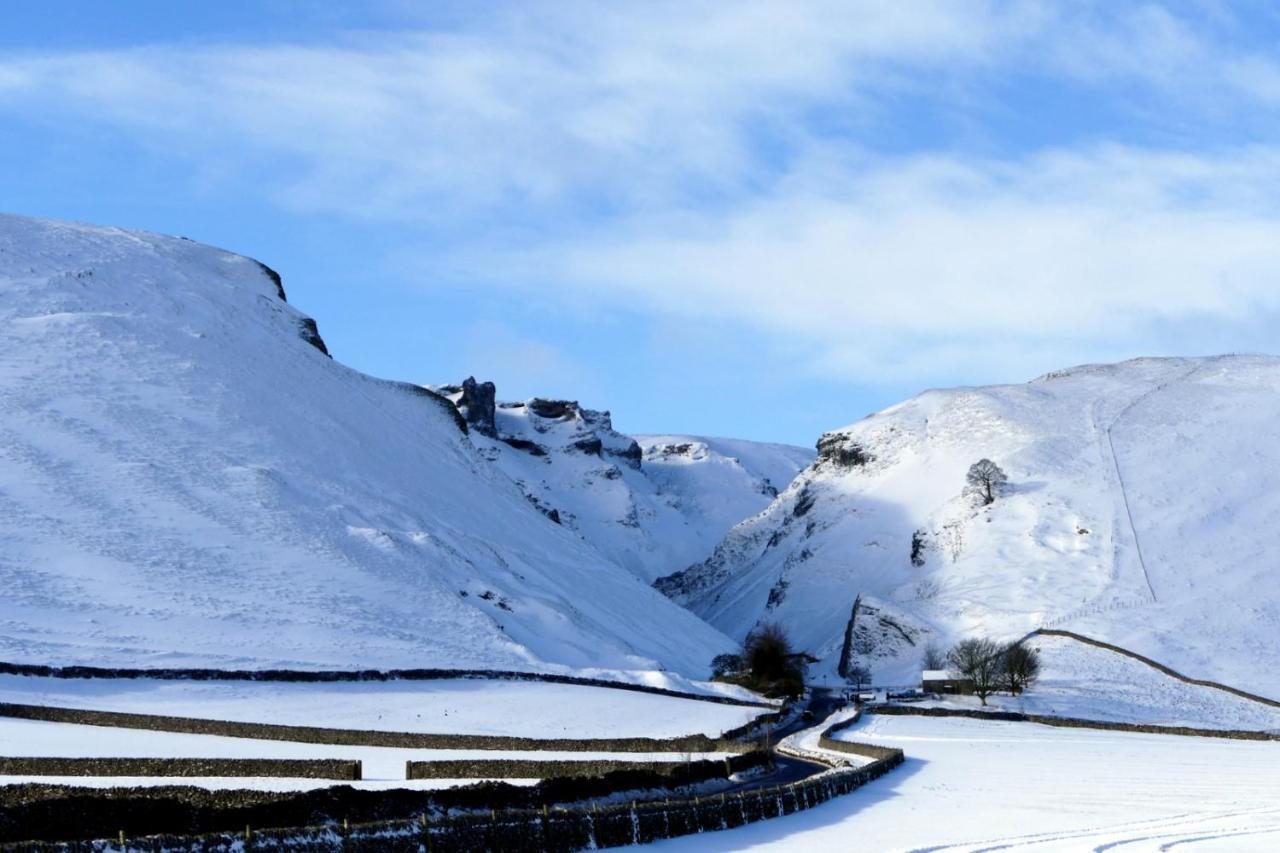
(653, 505)
(631, 454)
(553, 410)
(309, 332)
(592, 445)
(530, 447)
(840, 449)
(477, 405)
(275, 279)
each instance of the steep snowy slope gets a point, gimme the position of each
(187, 478)
(653, 504)
(1141, 506)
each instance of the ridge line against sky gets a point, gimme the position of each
(762, 220)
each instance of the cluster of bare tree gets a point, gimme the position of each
(990, 666)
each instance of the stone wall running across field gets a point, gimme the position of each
(290, 768)
(1156, 665)
(518, 768)
(360, 737)
(1074, 722)
(329, 676)
(551, 828)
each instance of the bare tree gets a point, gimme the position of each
(986, 480)
(933, 658)
(952, 538)
(1020, 667)
(857, 674)
(980, 661)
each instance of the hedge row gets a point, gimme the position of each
(1076, 723)
(327, 676)
(323, 768)
(1172, 673)
(661, 771)
(358, 737)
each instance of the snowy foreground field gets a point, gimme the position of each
(463, 706)
(521, 709)
(972, 785)
(384, 767)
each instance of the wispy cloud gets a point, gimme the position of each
(903, 269)
(737, 161)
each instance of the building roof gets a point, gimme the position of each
(941, 675)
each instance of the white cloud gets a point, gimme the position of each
(543, 105)
(917, 265)
(679, 159)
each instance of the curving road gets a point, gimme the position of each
(787, 769)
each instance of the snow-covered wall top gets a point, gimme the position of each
(1141, 505)
(654, 504)
(186, 478)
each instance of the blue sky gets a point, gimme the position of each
(759, 219)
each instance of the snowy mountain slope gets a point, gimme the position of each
(1139, 510)
(654, 504)
(187, 479)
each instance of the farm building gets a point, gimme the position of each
(945, 681)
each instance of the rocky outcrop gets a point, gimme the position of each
(310, 332)
(530, 447)
(554, 410)
(841, 450)
(478, 406)
(630, 454)
(275, 279)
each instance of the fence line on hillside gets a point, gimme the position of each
(1169, 671)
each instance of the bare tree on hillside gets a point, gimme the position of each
(980, 660)
(986, 480)
(933, 658)
(1020, 667)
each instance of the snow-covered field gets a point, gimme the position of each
(1079, 680)
(977, 785)
(383, 767)
(463, 706)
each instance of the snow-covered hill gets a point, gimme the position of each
(654, 504)
(1141, 508)
(187, 478)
